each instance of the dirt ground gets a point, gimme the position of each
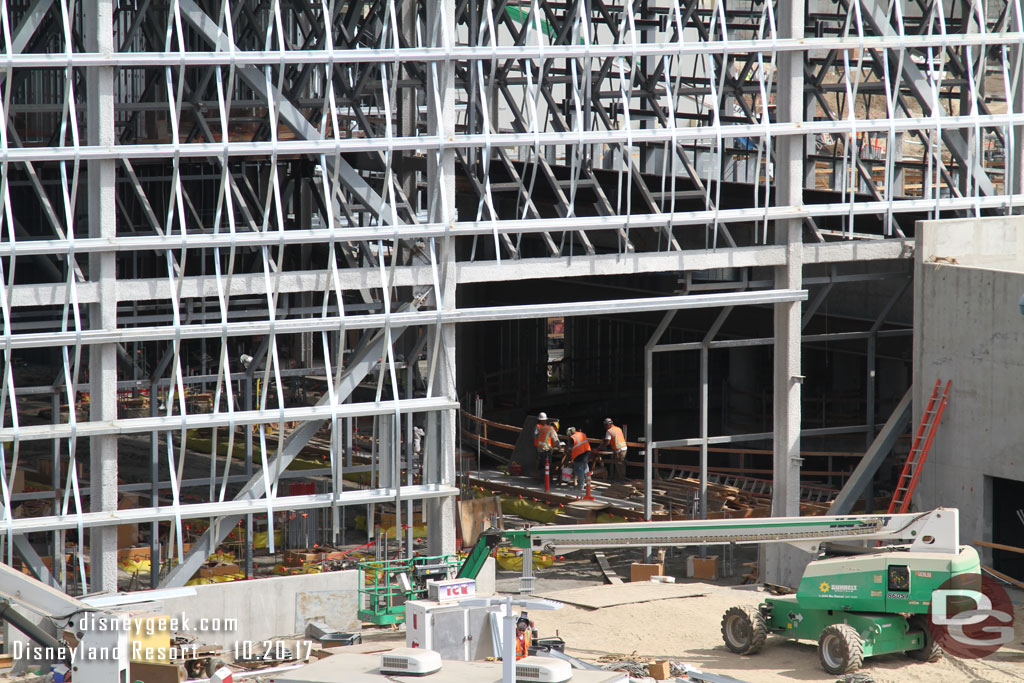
(688, 630)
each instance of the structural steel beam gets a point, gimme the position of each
(542, 268)
(402, 319)
(876, 454)
(32, 560)
(228, 509)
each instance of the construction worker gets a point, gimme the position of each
(524, 636)
(579, 453)
(615, 443)
(545, 440)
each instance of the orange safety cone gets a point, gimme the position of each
(588, 496)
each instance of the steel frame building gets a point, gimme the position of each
(238, 195)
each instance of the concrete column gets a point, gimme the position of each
(99, 38)
(441, 208)
(780, 565)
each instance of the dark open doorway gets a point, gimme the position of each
(1008, 525)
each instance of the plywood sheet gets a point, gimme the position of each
(596, 597)
(474, 515)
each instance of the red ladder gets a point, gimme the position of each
(919, 450)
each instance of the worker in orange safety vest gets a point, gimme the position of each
(545, 440)
(615, 442)
(524, 636)
(579, 453)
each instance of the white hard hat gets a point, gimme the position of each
(542, 416)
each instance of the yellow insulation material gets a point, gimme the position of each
(282, 570)
(512, 560)
(528, 509)
(224, 578)
(132, 566)
(537, 511)
(260, 538)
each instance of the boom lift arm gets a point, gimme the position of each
(934, 531)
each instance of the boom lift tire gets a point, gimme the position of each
(840, 649)
(932, 651)
(744, 630)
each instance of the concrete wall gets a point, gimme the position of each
(993, 243)
(282, 605)
(968, 328)
(271, 607)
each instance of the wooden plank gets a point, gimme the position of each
(1004, 577)
(596, 597)
(1000, 546)
(609, 574)
(474, 515)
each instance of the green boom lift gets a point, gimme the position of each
(855, 602)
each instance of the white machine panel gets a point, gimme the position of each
(458, 632)
(451, 589)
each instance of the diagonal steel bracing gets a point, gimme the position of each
(878, 17)
(288, 113)
(359, 366)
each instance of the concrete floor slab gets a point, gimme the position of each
(365, 668)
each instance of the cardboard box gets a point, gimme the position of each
(155, 672)
(134, 554)
(297, 558)
(150, 638)
(702, 568)
(128, 534)
(219, 570)
(660, 670)
(387, 519)
(644, 572)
